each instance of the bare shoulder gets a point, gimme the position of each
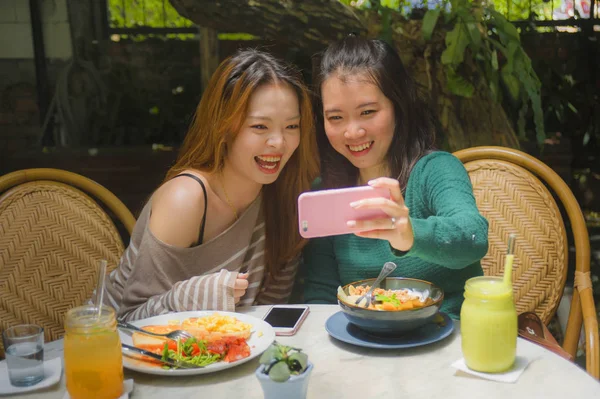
(177, 211)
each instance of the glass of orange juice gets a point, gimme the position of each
(93, 359)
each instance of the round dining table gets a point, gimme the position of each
(343, 370)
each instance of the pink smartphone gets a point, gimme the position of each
(326, 212)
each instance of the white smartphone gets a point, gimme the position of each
(286, 319)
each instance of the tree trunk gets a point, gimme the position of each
(209, 54)
(467, 122)
(310, 25)
(307, 24)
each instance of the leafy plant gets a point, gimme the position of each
(482, 36)
(155, 13)
(475, 35)
(283, 361)
(524, 10)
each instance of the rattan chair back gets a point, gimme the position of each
(52, 237)
(516, 202)
(510, 194)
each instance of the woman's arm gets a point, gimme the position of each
(152, 284)
(209, 292)
(447, 230)
(322, 275)
(456, 234)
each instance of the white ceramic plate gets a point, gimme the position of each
(262, 336)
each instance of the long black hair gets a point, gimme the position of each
(416, 125)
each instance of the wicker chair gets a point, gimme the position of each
(510, 196)
(52, 236)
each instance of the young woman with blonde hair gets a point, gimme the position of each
(221, 231)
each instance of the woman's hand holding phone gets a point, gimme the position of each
(327, 212)
(397, 228)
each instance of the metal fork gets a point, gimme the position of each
(174, 335)
(388, 267)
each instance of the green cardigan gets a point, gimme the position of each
(451, 237)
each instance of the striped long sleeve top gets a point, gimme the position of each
(155, 278)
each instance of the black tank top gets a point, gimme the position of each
(201, 235)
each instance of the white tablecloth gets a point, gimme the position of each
(345, 371)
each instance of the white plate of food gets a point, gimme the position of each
(224, 340)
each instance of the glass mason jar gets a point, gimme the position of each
(93, 359)
(488, 325)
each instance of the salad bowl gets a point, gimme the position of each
(392, 322)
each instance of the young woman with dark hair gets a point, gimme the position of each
(374, 128)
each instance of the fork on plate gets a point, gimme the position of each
(174, 335)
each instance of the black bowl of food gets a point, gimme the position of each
(399, 304)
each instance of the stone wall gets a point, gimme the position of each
(19, 112)
(560, 54)
(154, 86)
(556, 56)
(157, 86)
(15, 29)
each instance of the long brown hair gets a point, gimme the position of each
(416, 125)
(217, 121)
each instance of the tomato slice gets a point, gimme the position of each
(238, 349)
(233, 348)
(237, 352)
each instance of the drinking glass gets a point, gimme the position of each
(488, 325)
(24, 349)
(93, 359)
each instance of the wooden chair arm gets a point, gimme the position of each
(590, 325)
(583, 312)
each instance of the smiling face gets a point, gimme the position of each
(269, 135)
(359, 122)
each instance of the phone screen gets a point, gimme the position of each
(284, 317)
